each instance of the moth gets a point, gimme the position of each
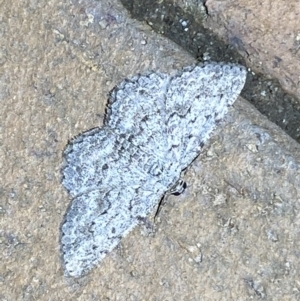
(155, 126)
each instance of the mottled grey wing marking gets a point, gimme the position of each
(110, 196)
(92, 161)
(155, 126)
(142, 99)
(196, 99)
(97, 220)
(113, 185)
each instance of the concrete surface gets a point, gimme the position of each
(234, 233)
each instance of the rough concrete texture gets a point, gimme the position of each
(234, 233)
(266, 33)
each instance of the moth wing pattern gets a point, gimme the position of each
(143, 123)
(81, 170)
(110, 194)
(97, 220)
(197, 98)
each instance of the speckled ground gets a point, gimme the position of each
(234, 233)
